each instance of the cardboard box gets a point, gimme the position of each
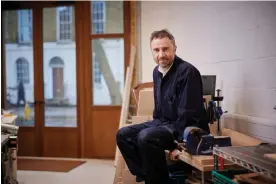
(145, 103)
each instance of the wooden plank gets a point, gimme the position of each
(128, 178)
(119, 170)
(197, 161)
(126, 95)
(123, 113)
(124, 105)
(254, 178)
(273, 156)
(127, 89)
(145, 104)
(207, 160)
(240, 139)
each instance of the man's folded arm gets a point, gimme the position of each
(190, 97)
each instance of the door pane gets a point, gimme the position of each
(19, 65)
(108, 71)
(107, 17)
(59, 62)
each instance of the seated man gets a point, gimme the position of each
(178, 99)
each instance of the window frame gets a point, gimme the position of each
(125, 35)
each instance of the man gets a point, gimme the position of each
(20, 93)
(178, 100)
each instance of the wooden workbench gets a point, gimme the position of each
(201, 162)
(206, 163)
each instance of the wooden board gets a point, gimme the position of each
(273, 156)
(254, 178)
(240, 139)
(119, 170)
(146, 103)
(202, 163)
(126, 94)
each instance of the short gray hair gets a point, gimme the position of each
(163, 33)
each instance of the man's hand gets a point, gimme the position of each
(174, 154)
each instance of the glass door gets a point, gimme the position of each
(59, 67)
(19, 65)
(18, 58)
(60, 127)
(40, 76)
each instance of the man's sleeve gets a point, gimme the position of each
(155, 96)
(190, 100)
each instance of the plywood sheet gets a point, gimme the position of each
(145, 103)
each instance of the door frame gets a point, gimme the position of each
(36, 140)
(87, 115)
(100, 126)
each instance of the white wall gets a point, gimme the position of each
(235, 41)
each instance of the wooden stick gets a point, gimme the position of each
(126, 95)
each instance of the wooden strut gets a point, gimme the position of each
(126, 95)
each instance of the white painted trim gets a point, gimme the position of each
(252, 119)
(261, 128)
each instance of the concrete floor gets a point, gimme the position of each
(92, 172)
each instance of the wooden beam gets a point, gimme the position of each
(126, 95)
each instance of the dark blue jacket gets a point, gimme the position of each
(179, 97)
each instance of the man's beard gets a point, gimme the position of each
(165, 64)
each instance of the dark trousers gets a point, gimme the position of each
(19, 99)
(143, 148)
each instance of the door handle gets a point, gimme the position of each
(39, 102)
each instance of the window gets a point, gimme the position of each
(22, 70)
(98, 17)
(64, 23)
(107, 20)
(25, 26)
(97, 71)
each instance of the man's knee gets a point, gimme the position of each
(146, 136)
(122, 134)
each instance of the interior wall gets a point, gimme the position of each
(235, 41)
